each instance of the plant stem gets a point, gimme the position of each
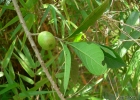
(28, 34)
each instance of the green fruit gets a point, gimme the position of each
(46, 40)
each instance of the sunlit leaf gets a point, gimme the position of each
(27, 79)
(24, 66)
(126, 45)
(91, 55)
(130, 21)
(27, 56)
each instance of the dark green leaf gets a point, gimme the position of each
(112, 59)
(92, 18)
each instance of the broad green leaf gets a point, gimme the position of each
(92, 18)
(7, 57)
(67, 57)
(91, 55)
(112, 59)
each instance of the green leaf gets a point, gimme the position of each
(133, 69)
(11, 71)
(112, 59)
(92, 18)
(8, 55)
(27, 79)
(65, 10)
(12, 21)
(67, 57)
(27, 56)
(22, 87)
(31, 3)
(136, 63)
(130, 21)
(9, 87)
(10, 81)
(79, 98)
(126, 45)
(44, 16)
(29, 19)
(24, 66)
(91, 55)
(23, 4)
(74, 74)
(53, 12)
(32, 93)
(39, 84)
(21, 84)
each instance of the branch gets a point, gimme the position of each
(28, 34)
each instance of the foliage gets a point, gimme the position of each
(96, 56)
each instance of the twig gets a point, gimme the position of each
(36, 50)
(112, 86)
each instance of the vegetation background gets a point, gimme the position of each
(96, 57)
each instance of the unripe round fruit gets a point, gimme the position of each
(46, 40)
